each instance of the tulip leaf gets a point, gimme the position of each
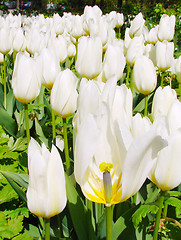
(77, 210)
(123, 226)
(7, 122)
(40, 133)
(11, 103)
(16, 181)
(139, 102)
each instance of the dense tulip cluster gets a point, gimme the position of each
(82, 64)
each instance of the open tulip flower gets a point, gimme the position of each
(110, 163)
(46, 194)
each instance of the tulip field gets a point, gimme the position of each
(90, 126)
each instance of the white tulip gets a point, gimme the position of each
(64, 95)
(46, 193)
(26, 78)
(144, 75)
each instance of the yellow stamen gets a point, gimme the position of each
(105, 167)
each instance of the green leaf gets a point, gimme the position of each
(19, 145)
(11, 103)
(141, 213)
(15, 180)
(23, 237)
(77, 210)
(40, 133)
(123, 226)
(9, 228)
(7, 122)
(175, 231)
(174, 193)
(175, 202)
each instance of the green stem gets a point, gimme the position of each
(158, 216)
(53, 128)
(27, 123)
(66, 149)
(89, 221)
(146, 106)
(5, 91)
(162, 79)
(127, 77)
(180, 91)
(47, 228)
(109, 217)
(131, 80)
(60, 226)
(165, 210)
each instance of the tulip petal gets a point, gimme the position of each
(139, 161)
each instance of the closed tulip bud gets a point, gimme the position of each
(164, 54)
(120, 20)
(89, 57)
(18, 40)
(166, 28)
(162, 101)
(88, 100)
(144, 75)
(114, 63)
(136, 26)
(152, 35)
(77, 30)
(60, 47)
(34, 41)
(112, 19)
(58, 24)
(150, 52)
(135, 50)
(50, 67)
(177, 68)
(103, 30)
(26, 79)
(46, 193)
(91, 18)
(64, 94)
(5, 39)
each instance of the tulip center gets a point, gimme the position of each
(107, 183)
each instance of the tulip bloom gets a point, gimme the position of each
(18, 40)
(60, 47)
(26, 79)
(166, 28)
(114, 63)
(144, 75)
(50, 67)
(164, 54)
(135, 49)
(110, 163)
(64, 94)
(177, 68)
(166, 170)
(46, 194)
(89, 57)
(136, 26)
(162, 101)
(5, 39)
